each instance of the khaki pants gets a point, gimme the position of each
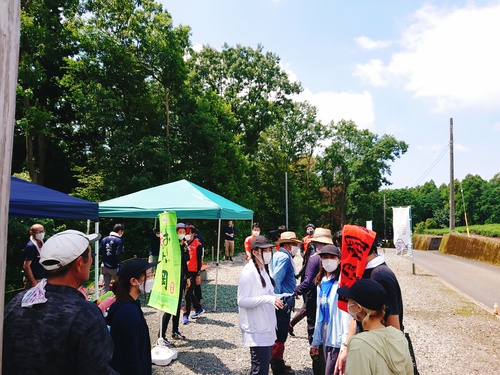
(229, 248)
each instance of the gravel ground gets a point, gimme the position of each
(450, 334)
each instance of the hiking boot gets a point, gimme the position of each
(185, 320)
(231, 259)
(164, 342)
(290, 330)
(197, 313)
(178, 336)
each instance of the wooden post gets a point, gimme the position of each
(9, 62)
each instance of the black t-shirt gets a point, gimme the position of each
(229, 230)
(384, 275)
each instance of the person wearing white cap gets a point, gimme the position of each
(51, 328)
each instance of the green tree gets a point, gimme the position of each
(287, 147)
(257, 88)
(42, 116)
(354, 167)
(124, 85)
(468, 196)
(490, 201)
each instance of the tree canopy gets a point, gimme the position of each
(113, 98)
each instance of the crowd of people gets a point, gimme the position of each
(350, 298)
(53, 327)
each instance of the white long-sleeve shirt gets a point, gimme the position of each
(257, 317)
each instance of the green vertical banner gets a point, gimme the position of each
(165, 293)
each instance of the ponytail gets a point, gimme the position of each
(258, 270)
(372, 314)
(266, 267)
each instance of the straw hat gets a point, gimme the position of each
(322, 235)
(287, 237)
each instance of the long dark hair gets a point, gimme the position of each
(266, 267)
(322, 272)
(122, 287)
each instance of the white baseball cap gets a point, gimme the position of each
(64, 247)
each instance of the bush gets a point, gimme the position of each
(420, 228)
(430, 223)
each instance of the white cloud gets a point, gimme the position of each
(370, 44)
(374, 73)
(449, 55)
(338, 106)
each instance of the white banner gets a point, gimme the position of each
(402, 228)
(369, 224)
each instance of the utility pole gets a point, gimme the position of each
(452, 188)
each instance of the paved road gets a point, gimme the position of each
(476, 280)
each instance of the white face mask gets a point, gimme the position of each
(255, 233)
(187, 237)
(267, 255)
(295, 250)
(146, 286)
(180, 236)
(330, 265)
(353, 315)
(39, 236)
(157, 234)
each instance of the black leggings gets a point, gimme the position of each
(190, 297)
(166, 316)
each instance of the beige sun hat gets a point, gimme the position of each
(288, 237)
(322, 235)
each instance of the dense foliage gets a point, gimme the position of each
(112, 99)
(477, 202)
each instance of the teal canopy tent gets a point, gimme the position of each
(188, 200)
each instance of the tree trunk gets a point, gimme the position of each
(9, 62)
(42, 148)
(167, 115)
(30, 159)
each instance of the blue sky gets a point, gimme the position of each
(394, 67)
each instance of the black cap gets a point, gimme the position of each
(260, 242)
(310, 225)
(135, 267)
(330, 249)
(366, 292)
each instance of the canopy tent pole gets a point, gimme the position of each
(96, 264)
(217, 267)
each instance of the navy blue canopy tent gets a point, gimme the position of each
(29, 200)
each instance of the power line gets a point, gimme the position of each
(434, 163)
